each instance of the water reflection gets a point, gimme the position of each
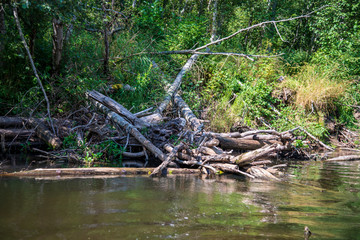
(323, 196)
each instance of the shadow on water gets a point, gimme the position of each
(322, 196)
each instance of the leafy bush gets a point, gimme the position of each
(150, 18)
(185, 33)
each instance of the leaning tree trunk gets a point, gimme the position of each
(176, 84)
(58, 40)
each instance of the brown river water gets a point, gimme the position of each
(323, 196)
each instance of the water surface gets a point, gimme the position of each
(323, 196)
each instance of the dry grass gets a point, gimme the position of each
(316, 87)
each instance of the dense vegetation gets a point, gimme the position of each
(315, 79)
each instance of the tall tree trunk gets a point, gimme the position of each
(214, 21)
(133, 4)
(58, 40)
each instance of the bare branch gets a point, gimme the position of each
(33, 65)
(255, 26)
(277, 30)
(248, 56)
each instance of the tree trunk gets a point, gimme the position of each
(249, 157)
(75, 172)
(121, 122)
(243, 144)
(118, 108)
(133, 4)
(186, 112)
(44, 133)
(169, 158)
(18, 133)
(58, 40)
(11, 122)
(176, 84)
(214, 22)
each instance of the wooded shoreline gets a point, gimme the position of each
(169, 135)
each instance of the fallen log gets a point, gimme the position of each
(212, 143)
(247, 158)
(224, 158)
(44, 133)
(231, 168)
(262, 162)
(243, 144)
(176, 84)
(180, 155)
(168, 159)
(134, 155)
(244, 134)
(11, 122)
(203, 150)
(121, 122)
(186, 112)
(117, 108)
(200, 164)
(261, 173)
(262, 137)
(154, 118)
(344, 158)
(12, 133)
(75, 172)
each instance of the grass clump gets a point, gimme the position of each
(316, 87)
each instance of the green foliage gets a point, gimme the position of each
(192, 33)
(109, 153)
(300, 144)
(70, 141)
(150, 18)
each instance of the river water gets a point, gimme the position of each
(323, 196)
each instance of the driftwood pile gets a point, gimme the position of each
(177, 143)
(180, 143)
